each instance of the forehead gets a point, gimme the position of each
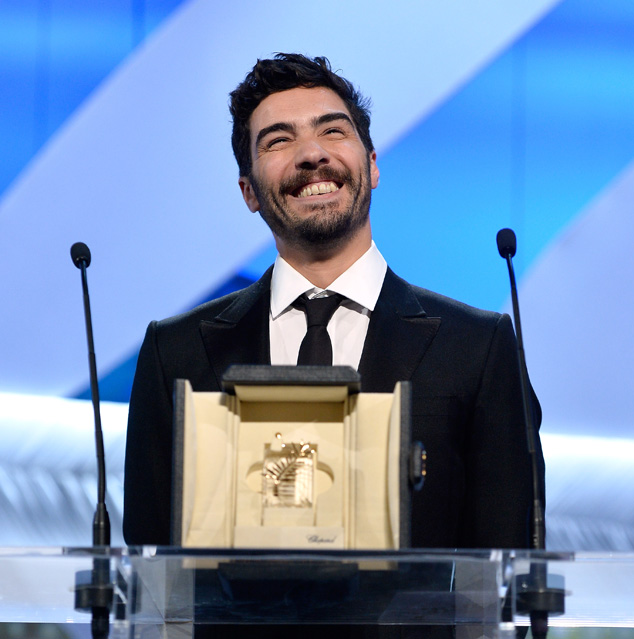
(295, 106)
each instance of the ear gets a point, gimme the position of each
(249, 194)
(374, 171)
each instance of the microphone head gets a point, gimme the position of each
(79, 252)
(507, 243)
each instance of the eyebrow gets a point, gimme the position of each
(290, 128)
(332, 117)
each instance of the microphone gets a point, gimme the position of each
(79, 252)
(94, 590)
(80, 255)
(534, 595)
(507, 243)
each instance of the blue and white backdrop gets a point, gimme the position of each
(115, 131)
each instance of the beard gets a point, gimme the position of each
(322, 225)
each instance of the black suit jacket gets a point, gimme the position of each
(467, 409)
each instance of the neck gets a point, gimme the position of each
(321, 267)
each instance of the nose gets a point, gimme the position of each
(310, 155)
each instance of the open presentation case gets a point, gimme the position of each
(293, 457)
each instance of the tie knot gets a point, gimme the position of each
(319, 310)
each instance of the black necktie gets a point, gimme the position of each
(316, 347)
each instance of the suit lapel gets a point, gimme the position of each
(398, 336)
(240, 333)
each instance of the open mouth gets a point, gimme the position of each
(316, 189)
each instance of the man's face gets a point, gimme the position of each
(311, 176)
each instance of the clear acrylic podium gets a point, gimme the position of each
(167, 592)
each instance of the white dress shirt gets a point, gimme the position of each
(360, 284)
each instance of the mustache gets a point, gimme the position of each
(322, 174)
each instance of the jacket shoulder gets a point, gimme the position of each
(436, 305)
(232, 304)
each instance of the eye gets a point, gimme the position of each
(276, 141)
(334, 131)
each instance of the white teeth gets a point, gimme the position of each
(318, 189)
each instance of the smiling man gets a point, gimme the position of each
(310, 178)
(301, 137)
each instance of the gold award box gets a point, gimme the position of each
(293, 457)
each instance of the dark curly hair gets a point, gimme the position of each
(288, 71)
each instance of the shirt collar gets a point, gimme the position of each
(361, 283)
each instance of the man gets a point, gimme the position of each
(307, 165)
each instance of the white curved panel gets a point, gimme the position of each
(588, 492)
(48, 478)
(48, 469)
(143, 172)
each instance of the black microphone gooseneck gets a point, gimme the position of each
(534, 595)
(507, 245)
(94, 589)
(80, 255)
